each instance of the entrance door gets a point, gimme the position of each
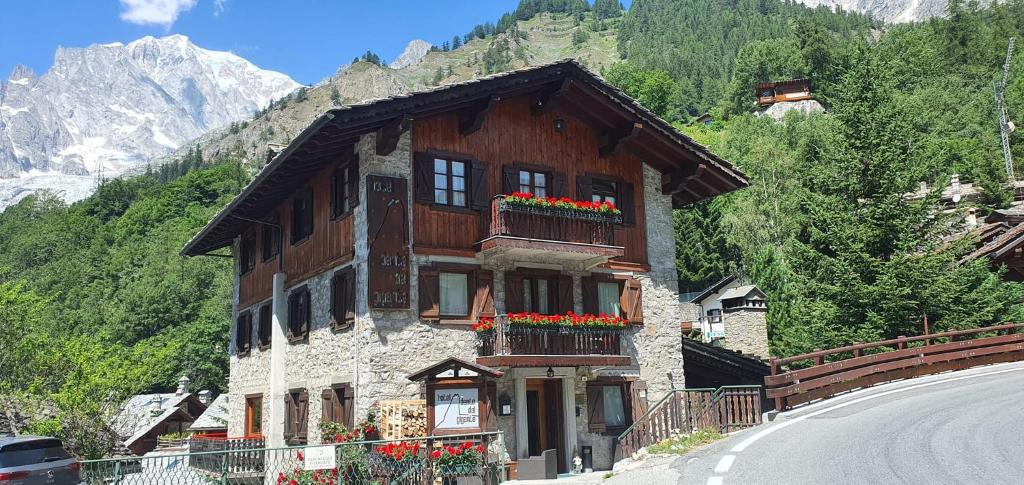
(545, 418)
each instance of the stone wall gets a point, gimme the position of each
(746, 331)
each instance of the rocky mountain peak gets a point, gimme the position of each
(413, 54)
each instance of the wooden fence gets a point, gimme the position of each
(683, 411)
(861, 365)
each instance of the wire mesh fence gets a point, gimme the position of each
(476, 459)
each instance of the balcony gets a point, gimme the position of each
(513, 345)
(519, 231)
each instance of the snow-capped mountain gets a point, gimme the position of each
(890, 11)
(413, 54)
(108, 108)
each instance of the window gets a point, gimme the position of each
(271, 246)
(454, 294)
(611, 405)
(449, 182)
(266, 320)
(715, 315)
(302, 216)
(604, 191)
(298, 314)
(296, 417)
(254, 415)
(344, 189)
(343, 298)
(608, 298)
(536, 297)
(247, 252)
(614, 406)
(337, 405)
(243, 333)
(535, 183)
(538, 291)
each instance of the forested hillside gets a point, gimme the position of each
(95, 302)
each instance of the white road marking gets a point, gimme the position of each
(725, 464)
(771, 429)
(714, 481)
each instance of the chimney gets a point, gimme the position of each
(206, 396)
(972, 218)
(182, 386)
(156, 405)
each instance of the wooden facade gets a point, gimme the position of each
(513, 136)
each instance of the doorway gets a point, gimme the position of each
(545, 419)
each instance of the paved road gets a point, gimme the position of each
(956, 428)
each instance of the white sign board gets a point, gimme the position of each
(456, 408)
(318, 458)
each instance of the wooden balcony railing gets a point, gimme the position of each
(242, 454)
(514, 339)
(550, 224)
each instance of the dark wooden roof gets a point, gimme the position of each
(690, 172)
(454, 363)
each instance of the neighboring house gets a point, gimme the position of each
(368, 247)
(731, 314)
(782, 91)
(705, 119)
(145, 417)
(214, 421)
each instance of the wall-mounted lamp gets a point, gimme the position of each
(559, 125)
(551, 372)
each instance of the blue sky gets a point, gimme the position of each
(306, 39)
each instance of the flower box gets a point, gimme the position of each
(561, 207)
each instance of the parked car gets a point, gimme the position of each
(36, 460)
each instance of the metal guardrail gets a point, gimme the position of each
(865, 364)
(408, 462)
(683, 411)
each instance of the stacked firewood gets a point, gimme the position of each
(403, 418)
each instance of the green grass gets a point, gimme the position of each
(680, 445)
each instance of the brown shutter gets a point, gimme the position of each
(513, 292)
(430, 298)
(350, 296)
(289, 417)
(589, 295)
(637, 401)
(595, 409)
(627, 203)
(557, 186)
(480, 195)
(565, 294)
(483, 300)
(307, 311)
(423, 171)
(631, 301)
(344, 406)
(302, 416)
(353, 183)
(509, 179)
(584, 187)
(327, 414)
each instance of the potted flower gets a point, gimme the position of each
(564, 204)
(393, 460)
(460, 465)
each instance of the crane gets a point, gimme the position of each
(1005, 127)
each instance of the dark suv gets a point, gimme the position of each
(36, 460)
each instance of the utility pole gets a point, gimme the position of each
(1004, 126)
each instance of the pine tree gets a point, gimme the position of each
(456, 42)
(335, 96)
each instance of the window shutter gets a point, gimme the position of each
(589, 295)
(631, 301)
(557, 187)
(513, 292)
(353, 183)
(423, 170)
(480, 193)
(344, 407)
(627, 203)
(595, 409)
(483, 301)
(350, 297)
(307, 311)
(289, 417)
(584, 187)
(430, 297)
(308, 214)
(327, 414)
(302, 416)
(637, 401)
(564, 303)
(509, 179)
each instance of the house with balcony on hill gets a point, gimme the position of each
(520, 223)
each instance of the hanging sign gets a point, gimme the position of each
(387, 237)
(456, 408)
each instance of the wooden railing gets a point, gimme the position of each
(247, 454)
(512, 339)
(549, 224)
(855, 366)
(683, 411)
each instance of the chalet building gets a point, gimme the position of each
(782, 91)
(368, 248)
(731, 314)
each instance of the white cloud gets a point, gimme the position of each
(218, 6)
(154, 12)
